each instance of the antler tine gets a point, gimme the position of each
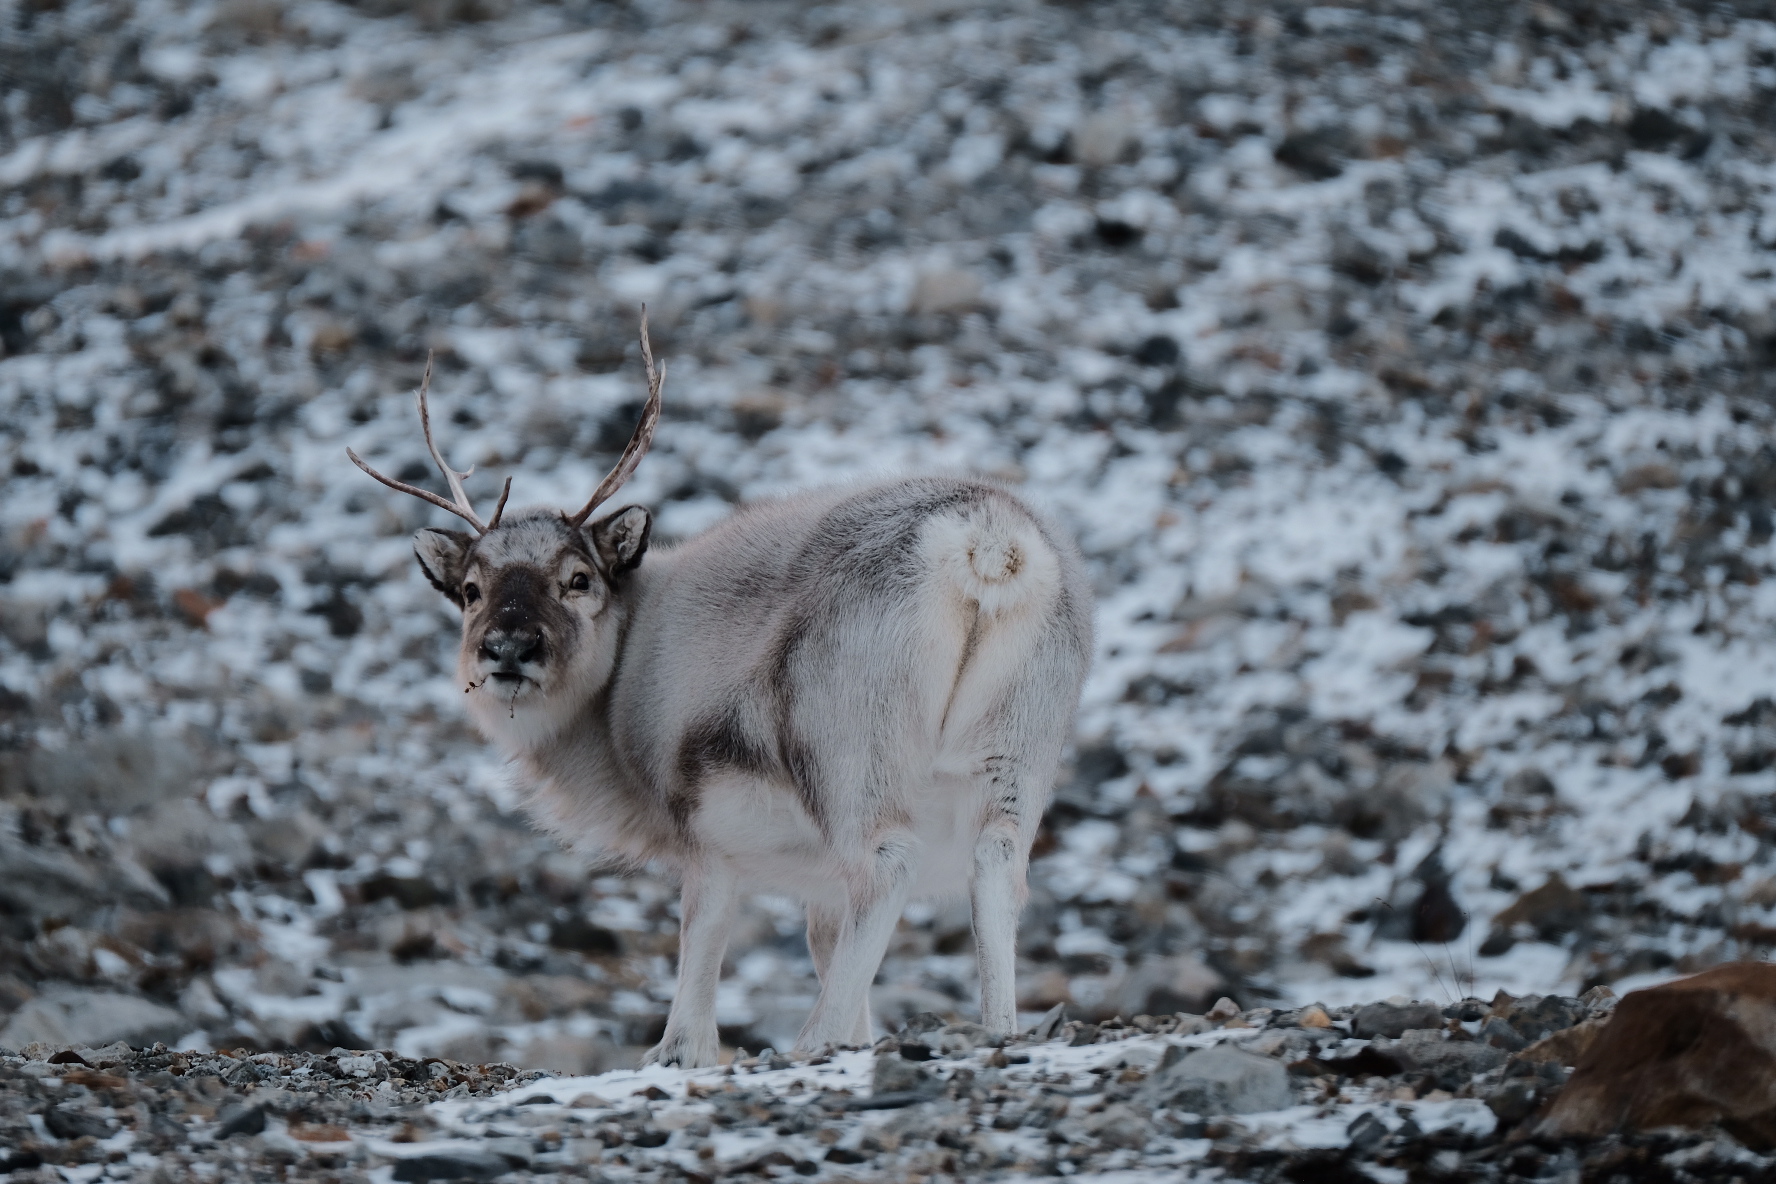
(644, 431)
(501, 508)
(424, 494)
(454, 478)
(459, 503)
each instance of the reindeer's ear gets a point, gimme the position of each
(443, 556)
(622, 538)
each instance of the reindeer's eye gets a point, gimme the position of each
(471, 593)
(580, 582)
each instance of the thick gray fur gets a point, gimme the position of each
(855, 697)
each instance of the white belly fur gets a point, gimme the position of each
(768, 838)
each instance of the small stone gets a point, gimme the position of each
(1120, 1125)
(1225, 1009)
(1181, 982)
(1500, 1034)
(895, 1075)
(69, 1121)
(240, 1120)
(1313, 1016)
(1050, 1021)
(1548, 913)
(1536, 1016)
(1514, 1101)
(1394, 1020)
(1220, 1080)
(451, 1165)
(1365, 1133)
(1453, 1062)
(1466, 1011)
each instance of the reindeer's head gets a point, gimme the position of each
(538, 590)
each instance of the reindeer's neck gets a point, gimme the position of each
(586, 790)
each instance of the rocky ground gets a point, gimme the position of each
(1402, 370)
(1384, 1092)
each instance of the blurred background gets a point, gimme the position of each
(1402, 370)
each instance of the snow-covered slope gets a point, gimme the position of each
(1401, 370)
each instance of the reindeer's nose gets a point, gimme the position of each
(511, 648)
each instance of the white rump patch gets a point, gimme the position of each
(993, 555)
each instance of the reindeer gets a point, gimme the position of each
(853, 697)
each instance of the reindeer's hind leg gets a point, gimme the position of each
(876, 902)
(996, 895)
(706, 913)
(1019, 745)
(824, 921)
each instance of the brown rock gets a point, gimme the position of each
(1691, 1053)
(1565, 1047)
(1548, 913)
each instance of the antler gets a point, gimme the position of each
(644, 431)
(460, 505)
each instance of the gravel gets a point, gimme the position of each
(1255, 1096)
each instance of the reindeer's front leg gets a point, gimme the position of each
(825, 919)
(706, 913)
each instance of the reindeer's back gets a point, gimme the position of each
(818, 639)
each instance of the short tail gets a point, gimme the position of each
(995, 555)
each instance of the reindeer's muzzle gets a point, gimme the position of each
(510, 649)
(513, 638)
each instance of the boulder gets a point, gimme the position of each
(82, 1018)
(1220, 1080)
(1690, 1053)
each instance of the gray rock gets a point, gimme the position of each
(240, 1120)
(1220, 1080)
(116, 771)
(1501, 1034)
(515, 1151)
(1393, 1020)
(69, 1121)
(1162, 986)
(1453, 1061)
(83, 1018)
(1050, 1021)
(894, 1074)
(451, 1165)
(1121, 1125)
(43, 882)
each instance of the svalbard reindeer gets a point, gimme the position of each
(854, 697)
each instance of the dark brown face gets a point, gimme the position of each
(535, 594)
